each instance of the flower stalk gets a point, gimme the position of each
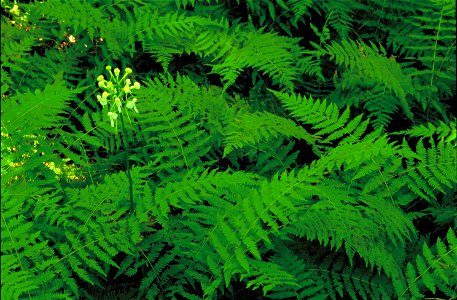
(117, 94)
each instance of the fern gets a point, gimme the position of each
(434, 268)
(444, 212)
(222, 236)
(13, 54)
(299, 8)
(40, 108)
(171, 135)
(326, 118)
(25, 118)
(327, 278)
(84, 16)
(339, 16)
(355, 91)
(271, 157)
(367, 60)
(434, 169)
(271, 54)
(250, 128)
(265, 160)
(444, 131)
(434, 51)
(27, 258)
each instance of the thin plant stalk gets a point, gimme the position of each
(127, 161)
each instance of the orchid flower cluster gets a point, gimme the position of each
(117, 92)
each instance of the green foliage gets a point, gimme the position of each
(282, 149)
(251, 128)
(327, 277)
(434, 268)
(367, 62)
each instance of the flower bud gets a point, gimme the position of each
(108, 68)
(126, 89)
(100, 78)
(117, 71)
(136, 85)
(128, 70)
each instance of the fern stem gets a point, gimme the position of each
(127, 161)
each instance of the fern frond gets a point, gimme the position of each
(325, 117)
(446, 131)
(14, 53)
(444, 212)
(187, 191)
(192, 3)
(299, 8)
(231, 238)
(427, 39)
(382, 105)
(269, 276)
(340, 16)
(355, 89)
(272, 157)
(435, 267)
(344, 212)
(169, 34)
(327, 278)
(26, 116)
(172, 136)
(430, 170)
(93, 227)
(250, 128)
(230, 51)
(27, 260)
(272, 54)
(368, 60)
(28, 112)
(84, 16)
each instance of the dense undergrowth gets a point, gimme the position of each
(273, 149)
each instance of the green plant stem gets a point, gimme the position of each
(127, 152)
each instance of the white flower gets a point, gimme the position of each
(131, 104)
(116, 91)
(118, 103)
(112, 116)
(103, 100)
